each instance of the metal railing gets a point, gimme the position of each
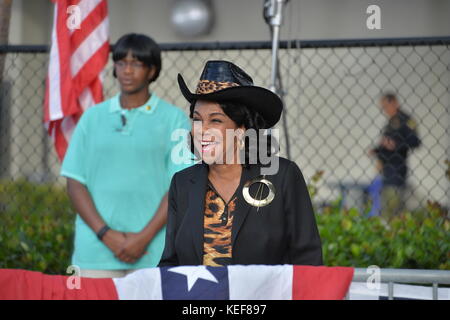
(406, 276)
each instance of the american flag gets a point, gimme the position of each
(79, 52)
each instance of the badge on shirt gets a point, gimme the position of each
(411, 124)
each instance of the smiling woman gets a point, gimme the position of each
(224, 211)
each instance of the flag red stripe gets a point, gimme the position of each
(97, 90)
(90, 70)
(68, 99)
(321, 283)
(31, 285)
(89, 24)
(67, 2)
(59, 139)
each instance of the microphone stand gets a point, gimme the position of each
(273, 14)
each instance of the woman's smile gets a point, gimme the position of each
(208, 146)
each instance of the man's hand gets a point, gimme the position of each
(114, 240)
(133, 248)
(388, 143)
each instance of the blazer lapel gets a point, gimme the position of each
(242, 207)
(196, 208)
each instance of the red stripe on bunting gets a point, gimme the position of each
(321, 283)
(31, 285)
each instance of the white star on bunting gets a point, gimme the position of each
(193, 273)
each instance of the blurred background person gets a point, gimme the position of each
(398, 138)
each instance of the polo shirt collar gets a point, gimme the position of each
(148, 107)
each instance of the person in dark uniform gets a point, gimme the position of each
(223, 212)
(398, 138)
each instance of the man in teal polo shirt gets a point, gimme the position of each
(119, 165)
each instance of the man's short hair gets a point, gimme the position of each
(142, 47)
(389, 96)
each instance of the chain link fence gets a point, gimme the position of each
(331, 91)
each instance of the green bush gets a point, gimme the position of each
(36, 227)
(37, 222)
(419, 240)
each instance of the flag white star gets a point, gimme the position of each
(193, 273)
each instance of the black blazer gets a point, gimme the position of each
(283, 232)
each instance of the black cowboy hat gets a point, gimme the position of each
(223, 81)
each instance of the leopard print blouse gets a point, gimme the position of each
(218, 219)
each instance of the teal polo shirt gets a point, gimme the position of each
(125, 159)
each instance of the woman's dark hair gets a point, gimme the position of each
(142, 47)
(249, 119)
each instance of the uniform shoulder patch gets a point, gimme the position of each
(412, 124)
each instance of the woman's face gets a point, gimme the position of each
(210, 129)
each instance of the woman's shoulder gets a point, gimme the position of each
(284, 170)
(289, 173)
(188, 172)
(283, 164)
